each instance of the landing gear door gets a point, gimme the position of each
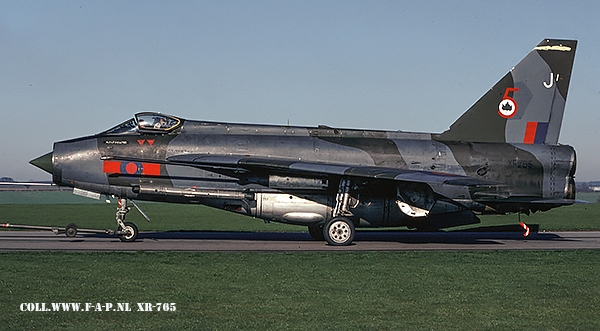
(415, 199)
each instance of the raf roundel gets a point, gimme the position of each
(131, 168)
(507, 108)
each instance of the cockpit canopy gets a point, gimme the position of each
(148, 123)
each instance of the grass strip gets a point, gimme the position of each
(177, 217)
(495, 290)
(62, 208)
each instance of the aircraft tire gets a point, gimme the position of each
(133, 232)
(316, 232)
(339, 231)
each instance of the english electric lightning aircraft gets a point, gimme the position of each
(501, 156)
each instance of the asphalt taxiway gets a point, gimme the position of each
(300, 242)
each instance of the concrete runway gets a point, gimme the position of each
(299, 242)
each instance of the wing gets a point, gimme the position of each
(309, 168)
(454, 187)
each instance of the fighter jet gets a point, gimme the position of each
(501, 156)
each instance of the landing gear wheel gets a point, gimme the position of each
(316, 232)
(132, 232)
(71, 230)
(339, 231)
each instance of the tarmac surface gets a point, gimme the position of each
(299, 242)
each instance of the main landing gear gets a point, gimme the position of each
(339, 230)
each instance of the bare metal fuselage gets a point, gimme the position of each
(529, 173)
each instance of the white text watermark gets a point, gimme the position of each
(97, 307)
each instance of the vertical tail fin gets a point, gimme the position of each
(526, 105)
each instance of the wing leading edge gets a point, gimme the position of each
(249, 163)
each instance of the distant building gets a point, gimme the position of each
(594, 186)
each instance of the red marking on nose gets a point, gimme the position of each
(151, 169)
(112, 167)
(150, 141)
(141, 141)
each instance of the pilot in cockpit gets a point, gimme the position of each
(160, 122)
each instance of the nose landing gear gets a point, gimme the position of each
(127, 231)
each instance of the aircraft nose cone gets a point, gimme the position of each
(43, 162)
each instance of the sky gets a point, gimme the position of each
(75, 68)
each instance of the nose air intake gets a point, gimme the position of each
(43, 162)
